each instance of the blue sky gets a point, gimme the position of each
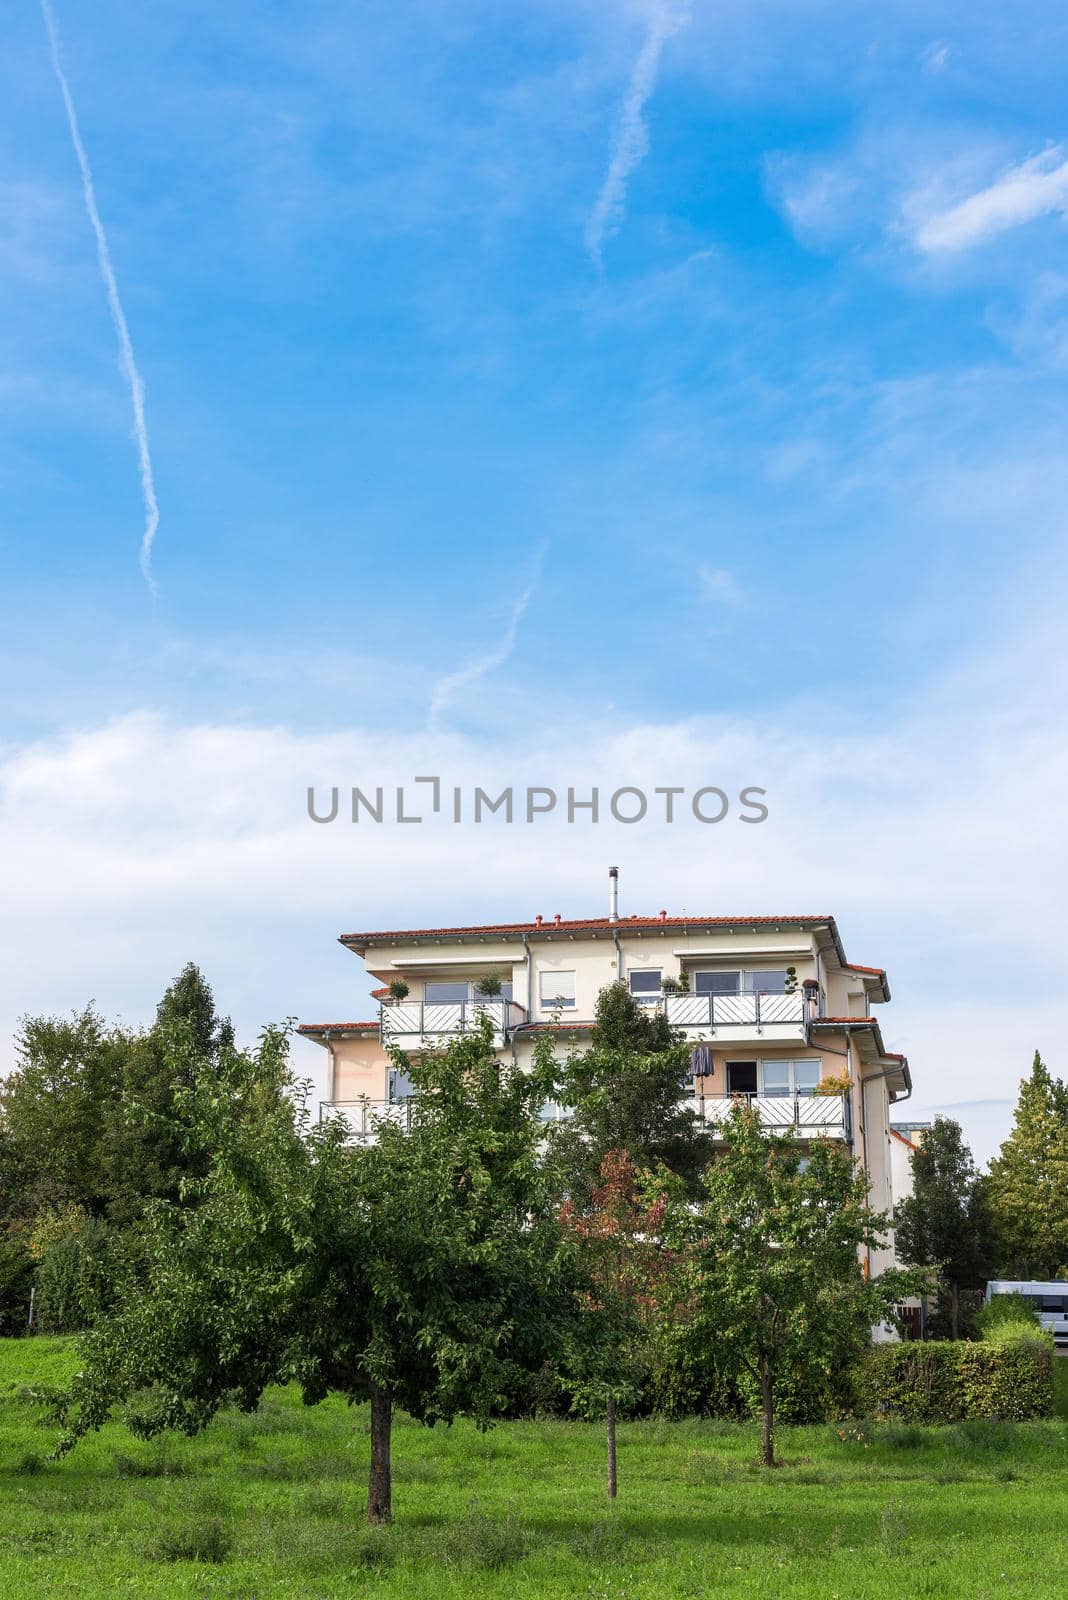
(749, 457)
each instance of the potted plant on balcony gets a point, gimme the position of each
(790, 986)
(489, 987)
(398, 991)
(679, 985)
(841, 1084)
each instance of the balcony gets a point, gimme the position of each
(806, 1116)
(415, 1024)
(364, 1117)
(731, 1017)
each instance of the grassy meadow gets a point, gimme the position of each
(272, 1504)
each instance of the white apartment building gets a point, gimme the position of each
(774, 1010)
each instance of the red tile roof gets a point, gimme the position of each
(337, 1027)
(570, 925)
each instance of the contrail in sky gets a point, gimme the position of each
(632, 141)
(446, 689)
(118, 316)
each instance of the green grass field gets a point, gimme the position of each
(272, 1504)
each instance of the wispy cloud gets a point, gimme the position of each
(1033, 189)
(720, 587)
(118, 316)
(632, 139)
(447, 689)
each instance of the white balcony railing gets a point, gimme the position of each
(735, 1015)
(411, 1021)
(808, 1116)
(364, 1117)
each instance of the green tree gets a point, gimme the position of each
(1028, 1184)
(943, 1224)
(623, 1263)
(625, 1092)
(148, 1152)
(54, 1111)
(423, 1272)
(769, 1269)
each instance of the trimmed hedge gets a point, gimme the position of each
(953, 1382)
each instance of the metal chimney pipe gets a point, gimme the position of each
(613, 894)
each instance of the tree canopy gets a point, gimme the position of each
(769, 1266)
(1028, 1183)
(943, 1223)
(424, 1271)
(625, 1092)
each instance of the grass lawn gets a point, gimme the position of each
(272, 1504)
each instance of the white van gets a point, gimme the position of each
(1050, 1302)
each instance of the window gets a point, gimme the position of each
(401, 1086)
(556, 991)
(645, 983)
(776, 1077)
(789, 1077)
(445, 993)
(717, 982)
(739, 982)
(453, 991)
(765, 983)
(741, 1077)
(806, 1076)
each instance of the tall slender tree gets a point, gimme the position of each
(1028, 1183)
(623, 1260)
(626, 1093)
(944, 1224)
(149, 1152)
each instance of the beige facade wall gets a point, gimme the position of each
(360, 1068)
(597, 961)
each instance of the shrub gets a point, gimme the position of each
(73, 1276)
(1005, 1310)
(207, 1540)
(953, 1382)
(16, 1281)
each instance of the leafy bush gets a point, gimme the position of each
(1005, 1310)
(952, 1382)
(16, 1281)
(73, 1274)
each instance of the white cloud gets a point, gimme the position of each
(935, 57)
(719, 587)
(1034, 188)
(447, 689)
(632, 138)
(935, 836)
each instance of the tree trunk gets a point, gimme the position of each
(610, 1420)
(380, 1488)
(767, 1443)
(954, 1301)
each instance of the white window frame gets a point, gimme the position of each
(647, 997)
(717, 972)
(555, 1002)
(793, 1063)
(748, 980)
